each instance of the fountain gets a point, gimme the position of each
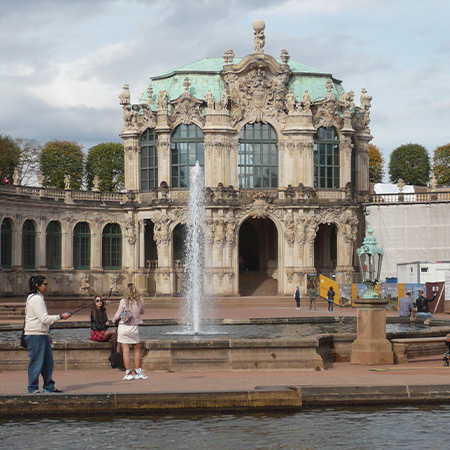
(194, 262)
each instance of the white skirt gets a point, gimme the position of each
(128, 334)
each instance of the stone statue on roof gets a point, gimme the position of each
(260, 40)
(125, 95)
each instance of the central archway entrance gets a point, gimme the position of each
(325, 250)
(258, 258)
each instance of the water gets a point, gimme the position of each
(178, 332)
(395, 428)
(195, 251)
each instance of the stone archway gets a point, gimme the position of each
(325, 249)
(258, 256)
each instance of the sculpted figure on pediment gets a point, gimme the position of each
(186, 108)
(145, 118)
(161, 229)
(161, 100)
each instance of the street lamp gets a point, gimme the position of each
(370, 257)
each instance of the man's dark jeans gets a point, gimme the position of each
(41, 362)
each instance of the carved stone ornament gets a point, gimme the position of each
(257, 86)
(186, 108)
(289, 229)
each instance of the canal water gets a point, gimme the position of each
(334, 428)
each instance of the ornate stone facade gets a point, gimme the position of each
(284, 223)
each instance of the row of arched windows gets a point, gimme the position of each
(257, 157)
(111, 246)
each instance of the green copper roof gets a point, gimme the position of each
(204, 75)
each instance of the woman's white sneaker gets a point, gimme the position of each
(140, 375)
(129, 375)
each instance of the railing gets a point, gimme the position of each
(151, 264)
(418, 197)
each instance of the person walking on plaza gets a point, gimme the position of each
(406, 305)
(100, 322)
(129, 313)
(37, 324)
(330, 299)
(297, 296)
(422, 305)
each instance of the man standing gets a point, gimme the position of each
(406, 305)
(297, 296)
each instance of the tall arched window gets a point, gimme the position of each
(6, 244)
(112, 247)
(28, 245)
(187, 148)
(149, 161)
(82, 246)
(258, 157)
(53, 245)
(326, 158)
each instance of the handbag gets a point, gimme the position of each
(126, 316)
(23, 342)
(116, 358)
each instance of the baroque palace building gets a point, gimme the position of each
(284, 151)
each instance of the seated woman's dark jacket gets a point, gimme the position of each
(99, 325)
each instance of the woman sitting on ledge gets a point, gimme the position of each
(99, 322)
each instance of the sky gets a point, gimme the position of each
(63, 63)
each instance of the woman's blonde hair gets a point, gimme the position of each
(131, 293)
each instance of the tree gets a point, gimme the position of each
(107, 162)
(61, 158)
(9, 157)
(411, 163)
(441, 164)
(28, 166)
(376, 162)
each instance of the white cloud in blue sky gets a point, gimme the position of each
(63, 63)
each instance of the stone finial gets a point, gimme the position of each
(260, 40)
(433, 183)
(125, 95)
(365, 99)
(329, 86)
(186, 84)
(401, 185)
(150, 96)
(285, 56)
(66, 182)
(96, 184)
(41, 179)
(228, 56)
(16, 177)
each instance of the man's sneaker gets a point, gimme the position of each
(140, 375)
(53, 391)
(129, 375)
(37, 391)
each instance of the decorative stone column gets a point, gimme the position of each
(371, 346)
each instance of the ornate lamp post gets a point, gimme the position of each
(370, 257)
(371, 345)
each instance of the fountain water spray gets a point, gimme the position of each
(194, 263)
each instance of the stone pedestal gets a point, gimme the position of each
(371, 345)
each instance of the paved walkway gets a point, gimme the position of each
(426, 377)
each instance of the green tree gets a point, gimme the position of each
(28, 166)
(441, 164)
(9, 157)
(376, 163)
(107, 162)
(410, 162)
(61, 158)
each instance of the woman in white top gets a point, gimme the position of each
(128, 331)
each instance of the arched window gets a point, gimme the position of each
(326, 158)
(28, 245)
(187, 148)
(81, 246)
(149, 161)
(53, 245)
(6, 244)
(258, 157)
(112, 247)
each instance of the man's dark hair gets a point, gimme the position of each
(35, 282)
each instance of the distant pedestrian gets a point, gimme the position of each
(312, 301)
(330, 298)
(297, 296)
(406, 305)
